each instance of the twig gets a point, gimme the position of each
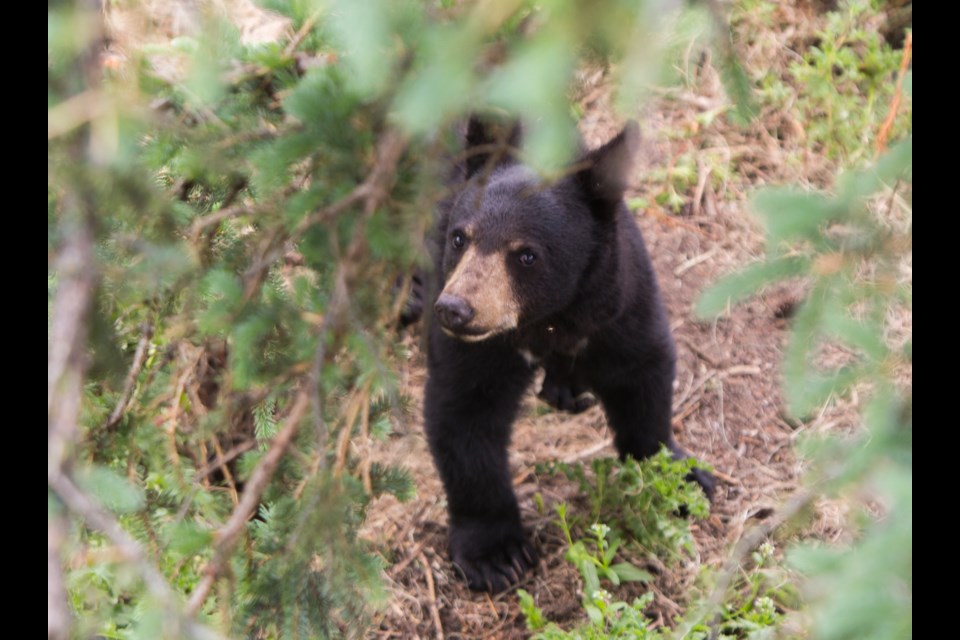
(741, 370)
(226, 537)
(677, 420)
(398, 568)
(217, 217)
(76, 111)
(223, 459)
(671, 221)
(130, 550)
(703, 174)
(301, 33)
(695, 388)
(343, 442)
(897, 95)
(720, 475)
(703, 355)
(589, 451)
(432, 593)
(139, 357)
(332, 325)
(365, 439)
(226, 471)
(694, 261)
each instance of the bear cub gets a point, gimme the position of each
(531, 274)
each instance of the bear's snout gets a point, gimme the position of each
(454, 312)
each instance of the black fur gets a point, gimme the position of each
(590, 314)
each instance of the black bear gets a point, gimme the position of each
(534, 274)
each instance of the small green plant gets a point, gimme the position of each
(597, 564)
(760, 597)
(843, 85)
(609, 618)
(641, 501)
(754, 606)
(673, 186)
(849, 81)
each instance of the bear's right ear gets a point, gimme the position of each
(490, 144)
(606, 170)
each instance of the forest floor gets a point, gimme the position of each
(728, 409)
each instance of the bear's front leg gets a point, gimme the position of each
(637, 397)
(561, 388)
(472, 395)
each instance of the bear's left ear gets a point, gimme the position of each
(605, 171)
(490, 142)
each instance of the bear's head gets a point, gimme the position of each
(516, 249)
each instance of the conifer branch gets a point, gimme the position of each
(229, 533)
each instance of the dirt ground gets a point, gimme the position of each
(728, 409)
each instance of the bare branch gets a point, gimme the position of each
(66, 353)
(222, 460)
(76, 111)
(139, 357)
(226, 537)
(58, 612)
(217, 217)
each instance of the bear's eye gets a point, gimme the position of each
(527, 258)
(458, 240)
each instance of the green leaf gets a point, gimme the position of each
(442, 86)
(112, 490)
(591, 581)
(734, 287)
(610, 552)
(323, 102)
(531, 612)
(865, 336)
(246, 359)
(534, 83)
(595, 615)
(223, 292)
(364, 29)
(789, 214)
(630, 573)
(739, 87)
(186, 538)
(893, 165)
(808, 392)
(796, 365)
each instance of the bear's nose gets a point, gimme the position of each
(454, 313)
